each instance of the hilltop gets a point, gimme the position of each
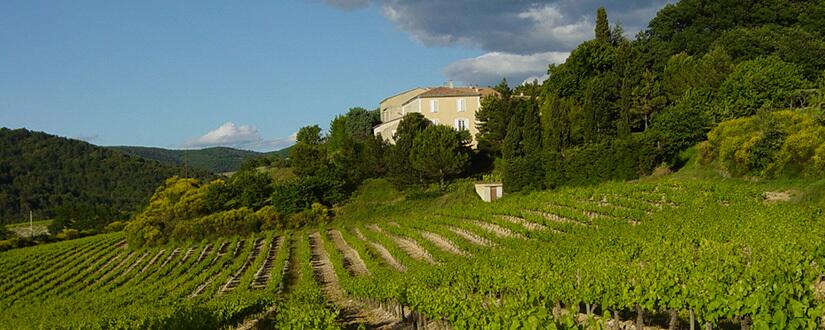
(215, 159)
(44, 172)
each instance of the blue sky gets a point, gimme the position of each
(198, 73)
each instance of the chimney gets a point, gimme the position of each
(450, 83)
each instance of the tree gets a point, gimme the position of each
(308, 157)
(4, 232)
(685, 123)
(398, 157)
(766, 82)
(602, 25)
(493, 119)
(250, 189)
(648, 97)
(439, 151)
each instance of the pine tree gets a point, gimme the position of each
(439, 152)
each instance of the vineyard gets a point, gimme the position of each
(662, 254)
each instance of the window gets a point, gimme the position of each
(461, 124)
(433, 105)
(461, 105)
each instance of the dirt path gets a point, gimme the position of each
(111, 260)
(410, 246)
(382, 251)
(470, 237)
(264, 274)
(353, 314)
(555, 217)
(413, 249)
(527, 224)
(186, 256)
(135, 264)
(153, 261)
(235, 279)
(204, 252)
(496, 229)
(171, 256)
(352, 259)
(443, 243)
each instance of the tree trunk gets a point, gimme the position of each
(692, 320)
(646, 120)
(640, 318)
(587, 307)
(708, 326)
(674, 320)
(746, 322)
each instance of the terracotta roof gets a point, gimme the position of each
(402, 93)
(457, 91)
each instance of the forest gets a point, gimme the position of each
(54, 176)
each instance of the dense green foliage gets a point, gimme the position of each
(617, 108)
(440, 151)
(779, 144)
(43, 173)
(215, 159)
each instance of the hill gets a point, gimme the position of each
(215, 159)
(669, 250)
(45, 172)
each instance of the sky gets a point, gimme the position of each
(194, 74)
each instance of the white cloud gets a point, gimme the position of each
(488, 69)
(242, 137)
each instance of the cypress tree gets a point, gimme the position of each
(602, 25)
(512, 153)
(533, 171)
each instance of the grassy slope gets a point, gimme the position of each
(378, 202)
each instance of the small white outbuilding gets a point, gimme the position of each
(490, 191)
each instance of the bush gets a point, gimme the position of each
(620, 159)
(115, 227)
(778, 144)
(68, 234)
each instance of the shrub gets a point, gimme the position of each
(778, 144)
(115, 227)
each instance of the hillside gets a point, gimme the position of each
(526, 260)
(215, 160)
(44, 172)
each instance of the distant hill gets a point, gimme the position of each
(216, 159)
(43, 172)
(282, 153)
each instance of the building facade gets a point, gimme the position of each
(452, 106)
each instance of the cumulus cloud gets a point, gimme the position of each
(519, 27)
(508, 28)
(242, 137)
(488, 69)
